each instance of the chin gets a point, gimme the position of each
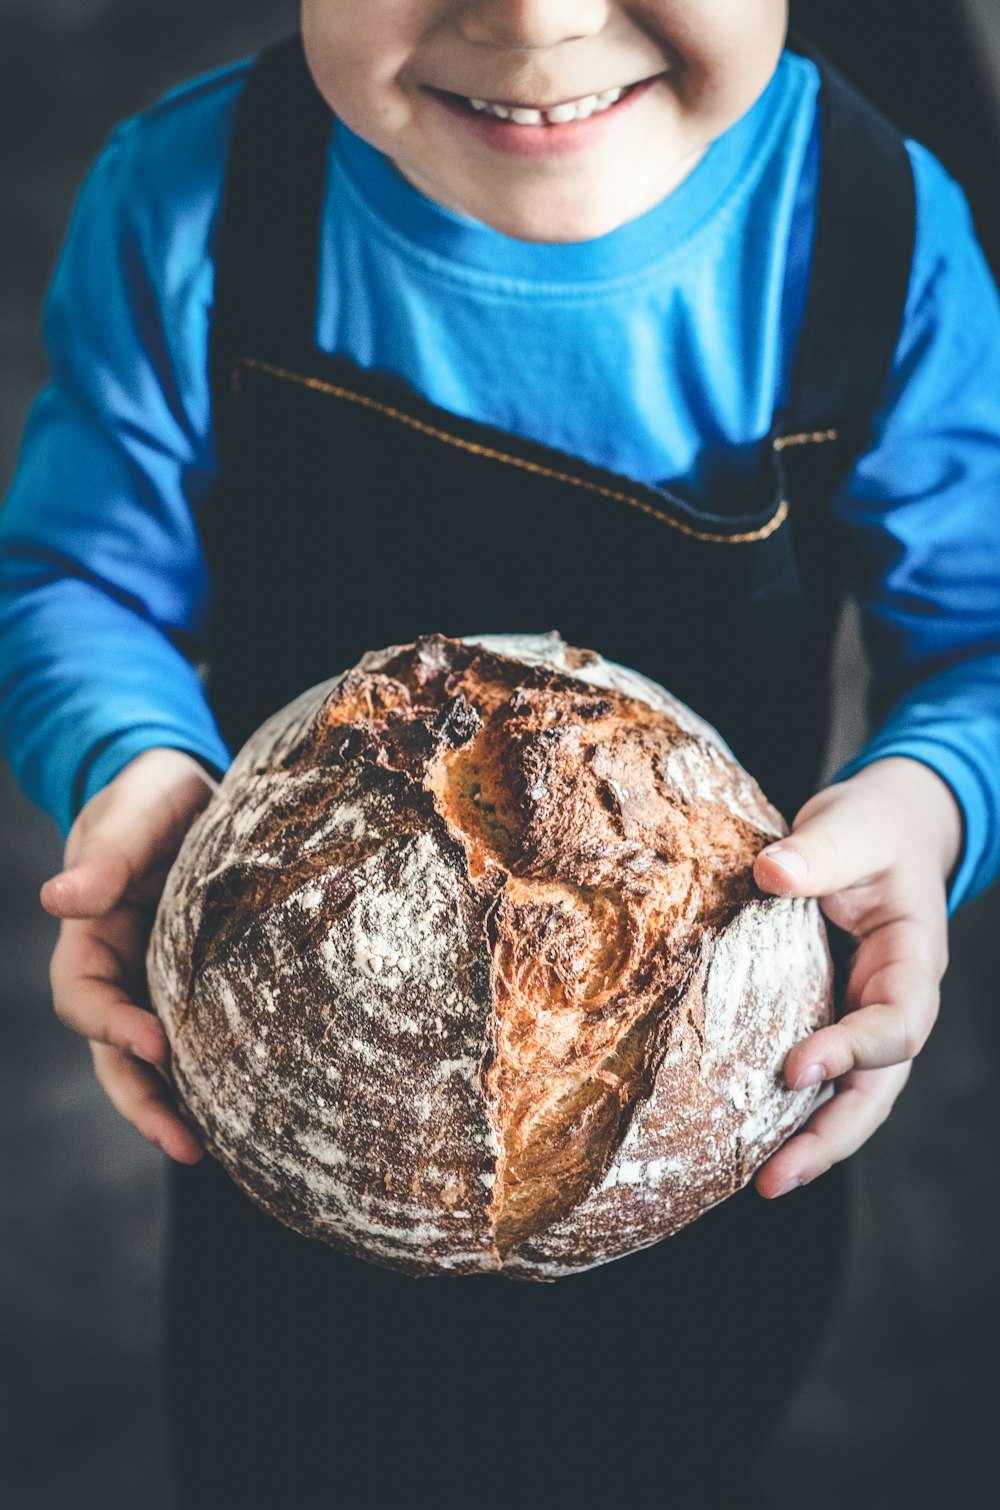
(555, 221)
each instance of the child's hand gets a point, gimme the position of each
(117, 857)
(877, 849)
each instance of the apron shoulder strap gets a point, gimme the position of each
(861, 263)
(266, 271)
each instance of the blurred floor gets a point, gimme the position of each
(896, 1410)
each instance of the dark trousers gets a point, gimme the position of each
(299, 1377)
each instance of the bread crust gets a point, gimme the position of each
(464, 969)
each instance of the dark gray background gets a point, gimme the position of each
(896, 1411)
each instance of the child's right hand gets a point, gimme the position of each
(118, 854)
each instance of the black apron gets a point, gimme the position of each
(351, 515)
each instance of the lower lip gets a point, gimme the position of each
(541, 141)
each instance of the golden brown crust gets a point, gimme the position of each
(465, 968)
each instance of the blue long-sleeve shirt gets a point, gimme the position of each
(660, 351)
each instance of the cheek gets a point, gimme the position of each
(726, 67)
(358, 68)
(722, 44)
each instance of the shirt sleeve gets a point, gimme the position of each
(104, 597)
(923, 509)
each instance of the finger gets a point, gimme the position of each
(870, 1039)
(90, 889)
(143, 1099)
(861, 1104)
(90, 995)
(893, 999)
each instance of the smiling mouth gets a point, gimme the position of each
(544, 115)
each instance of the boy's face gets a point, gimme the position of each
(402, 73)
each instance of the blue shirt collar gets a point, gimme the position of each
(458, 238)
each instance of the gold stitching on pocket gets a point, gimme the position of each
(317, 385)
(807, 438)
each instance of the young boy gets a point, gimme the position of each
(482, 315)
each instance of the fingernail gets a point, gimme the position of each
(811, 1076)
(787, 1189)
(789, 859)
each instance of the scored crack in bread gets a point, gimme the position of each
(464, 968)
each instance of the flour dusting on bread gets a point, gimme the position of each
(464, 970)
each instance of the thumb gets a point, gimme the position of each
(827, 851)
(128, 832)
(89, 889)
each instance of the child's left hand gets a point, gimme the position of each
(877, 849)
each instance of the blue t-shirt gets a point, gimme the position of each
(661, 351)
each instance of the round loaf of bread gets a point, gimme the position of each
(464, 968)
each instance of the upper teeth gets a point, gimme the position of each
(556, 115)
